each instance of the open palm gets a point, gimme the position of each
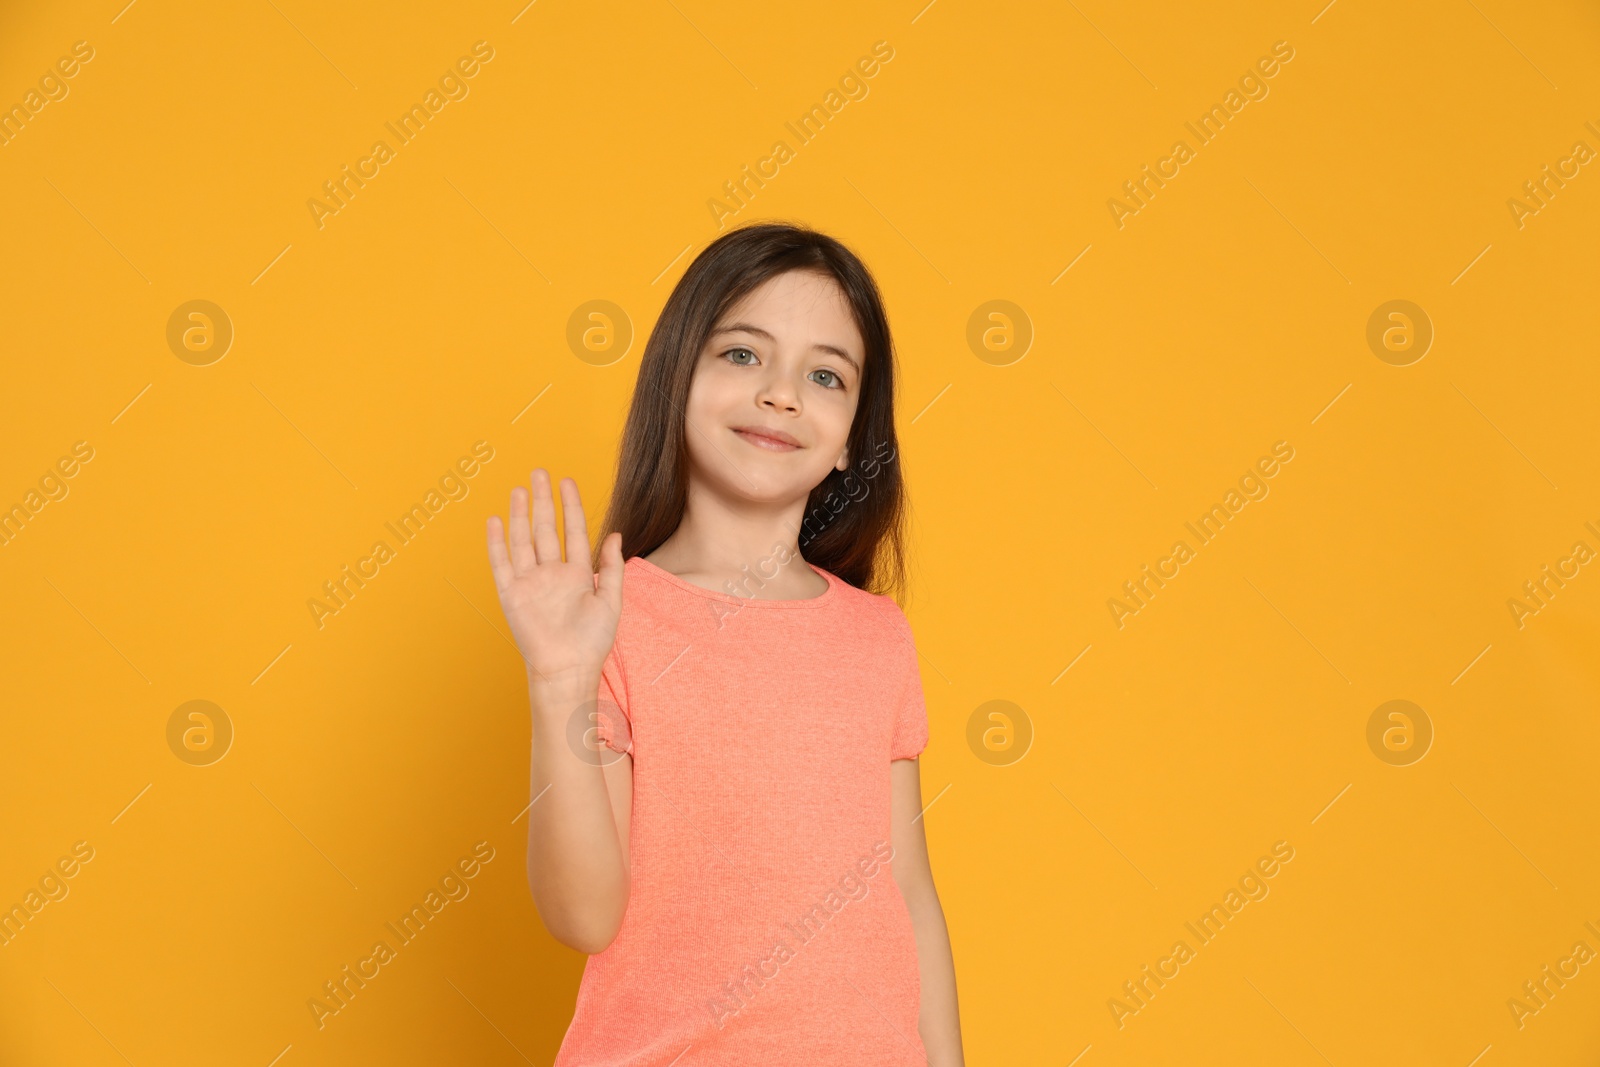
(562, 614)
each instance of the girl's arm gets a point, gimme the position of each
(578, 824)
(940, 1021)
(564, 617)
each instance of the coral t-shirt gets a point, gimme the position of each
(764, 925)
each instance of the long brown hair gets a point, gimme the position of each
(855, 519)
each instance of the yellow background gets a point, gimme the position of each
(369, 755)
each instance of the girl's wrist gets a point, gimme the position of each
(574, 685)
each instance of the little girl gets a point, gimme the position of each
(727, 711)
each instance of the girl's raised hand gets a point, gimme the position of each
(563, 615)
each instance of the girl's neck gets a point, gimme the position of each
(733, 553)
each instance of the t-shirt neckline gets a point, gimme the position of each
(826, 597)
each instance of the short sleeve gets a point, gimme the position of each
(910, 735)
(612, 724)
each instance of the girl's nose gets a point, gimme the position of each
(778, 391)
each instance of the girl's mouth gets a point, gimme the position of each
(769, 443)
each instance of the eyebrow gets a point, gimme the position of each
(745, 327)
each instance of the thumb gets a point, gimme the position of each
(608, 582)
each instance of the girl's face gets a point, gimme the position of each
(787, 361)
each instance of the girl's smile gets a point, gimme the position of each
(761, 437)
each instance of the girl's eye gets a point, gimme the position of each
(833, 381)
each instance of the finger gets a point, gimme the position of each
(546, 542)
(572, 515)
(522, 559)
(499, 561)
(609, 580)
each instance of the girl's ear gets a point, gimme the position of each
(844, 461)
